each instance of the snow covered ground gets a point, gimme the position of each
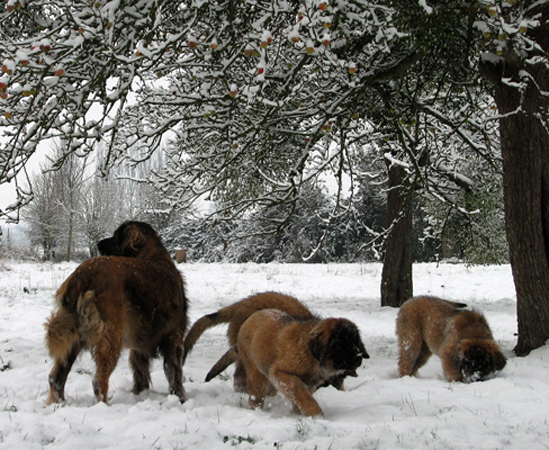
(377, 411)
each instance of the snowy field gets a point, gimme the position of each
(377, 411)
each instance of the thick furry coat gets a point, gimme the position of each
(296, 357)
(235, 315)
(461, 338)
(133, 298)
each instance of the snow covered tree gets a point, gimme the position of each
(516, 62)
(42, 214)
(54, 216)
(261, 97)
(104, 207)
(70, 176)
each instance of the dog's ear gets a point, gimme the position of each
(362, 349)
(133, 240)
(499, 359)
(317, 344)
(347, 332)
(475, 363)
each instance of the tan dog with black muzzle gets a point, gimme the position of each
(296, 356)
(235, 315)
(462, 340)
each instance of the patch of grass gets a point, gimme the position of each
(224, 377)
(237, 440)
(10, 408)
(4, 366)
(302, 429)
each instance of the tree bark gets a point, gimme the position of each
(525, 151)
(396, 276)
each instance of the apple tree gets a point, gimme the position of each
(281, 94)
(258, 98)
(255, 99)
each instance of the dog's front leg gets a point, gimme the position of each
(450, 366)
(293, 388)
(106, 355)
(258, 386)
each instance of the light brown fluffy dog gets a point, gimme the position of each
(134, 299)
(462, 339)
(235, 315)
(295, 356)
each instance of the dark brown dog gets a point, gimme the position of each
(296, 356)
(133, 299)
(462, 339)
(235, 315)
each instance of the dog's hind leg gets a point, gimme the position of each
(64, 343)
(58, 376)
(411, 352)
(106, 356)
(140, 364)
(240, 377)
(424, 355)
(172, 350)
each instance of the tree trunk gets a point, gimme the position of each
(525, 151)
(69, 236)
(396, 277)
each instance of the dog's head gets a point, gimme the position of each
(479, 358)
(129, 239)
(336, 344)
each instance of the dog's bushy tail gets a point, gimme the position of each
(456, 305)
(67, 328)
(92, 327)
(225, 361)
(224, 315)
(61, 333)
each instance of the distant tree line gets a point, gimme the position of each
(440, 232)
(73, 208)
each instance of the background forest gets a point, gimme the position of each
(73, 208)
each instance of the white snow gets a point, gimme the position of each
(428, 9)
(378, 410)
